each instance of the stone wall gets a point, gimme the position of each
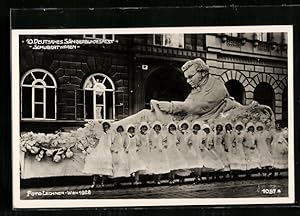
(250, 66)
(71, 68)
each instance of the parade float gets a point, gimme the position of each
(63, 153)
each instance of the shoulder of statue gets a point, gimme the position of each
(210, 83)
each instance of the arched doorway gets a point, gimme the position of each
(264, 94)
(166, 84)
(285, 107)
(236, 90)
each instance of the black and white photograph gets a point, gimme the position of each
(152, 116)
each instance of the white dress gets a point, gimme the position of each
(144, 151)
(263, 148)
(135, 163)
(188, 150)
(99, 161)
(119, 156)
(175, 158)
(219, 148)
(251, 151)
(279, 149)
(212, 159)
(232, 156)
(200, 149)
(237, 159)
(159, 161)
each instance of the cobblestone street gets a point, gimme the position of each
(256, 187)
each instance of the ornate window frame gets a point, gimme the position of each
(38, 83)
(99, 88)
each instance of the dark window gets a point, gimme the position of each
(28, 79)
(39, 111)
(264, 94)
(109, 37)
(158, 39)
(26, 102)
(236, 90)
(49, 81)
(39, 94)
(99, 36)
(50, 97)
(109, 107)
(89, 108)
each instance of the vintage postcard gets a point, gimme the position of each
(152, 116)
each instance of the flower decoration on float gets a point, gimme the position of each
(61, 145)
(256, 113)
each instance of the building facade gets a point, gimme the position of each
(62, 89)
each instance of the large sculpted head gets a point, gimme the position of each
(195, 71)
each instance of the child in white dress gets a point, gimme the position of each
(279, 148)
(143, 146)
(119, 156)
(176, 161)
(206, 160)
(232, 153)
(136, 165)
(99, 161)
(237, 155)
(214, 161)
(219, 147)
(197, 137)
(159, 162)
(250, 149)
(262, 138)
(187, 150)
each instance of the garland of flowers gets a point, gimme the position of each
(254, 113)
(61, 145)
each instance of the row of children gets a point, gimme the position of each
(182, 150)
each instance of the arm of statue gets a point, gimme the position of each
(164, 106)
(199, 102)
(200, 106)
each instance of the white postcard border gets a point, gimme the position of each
(71, 203)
